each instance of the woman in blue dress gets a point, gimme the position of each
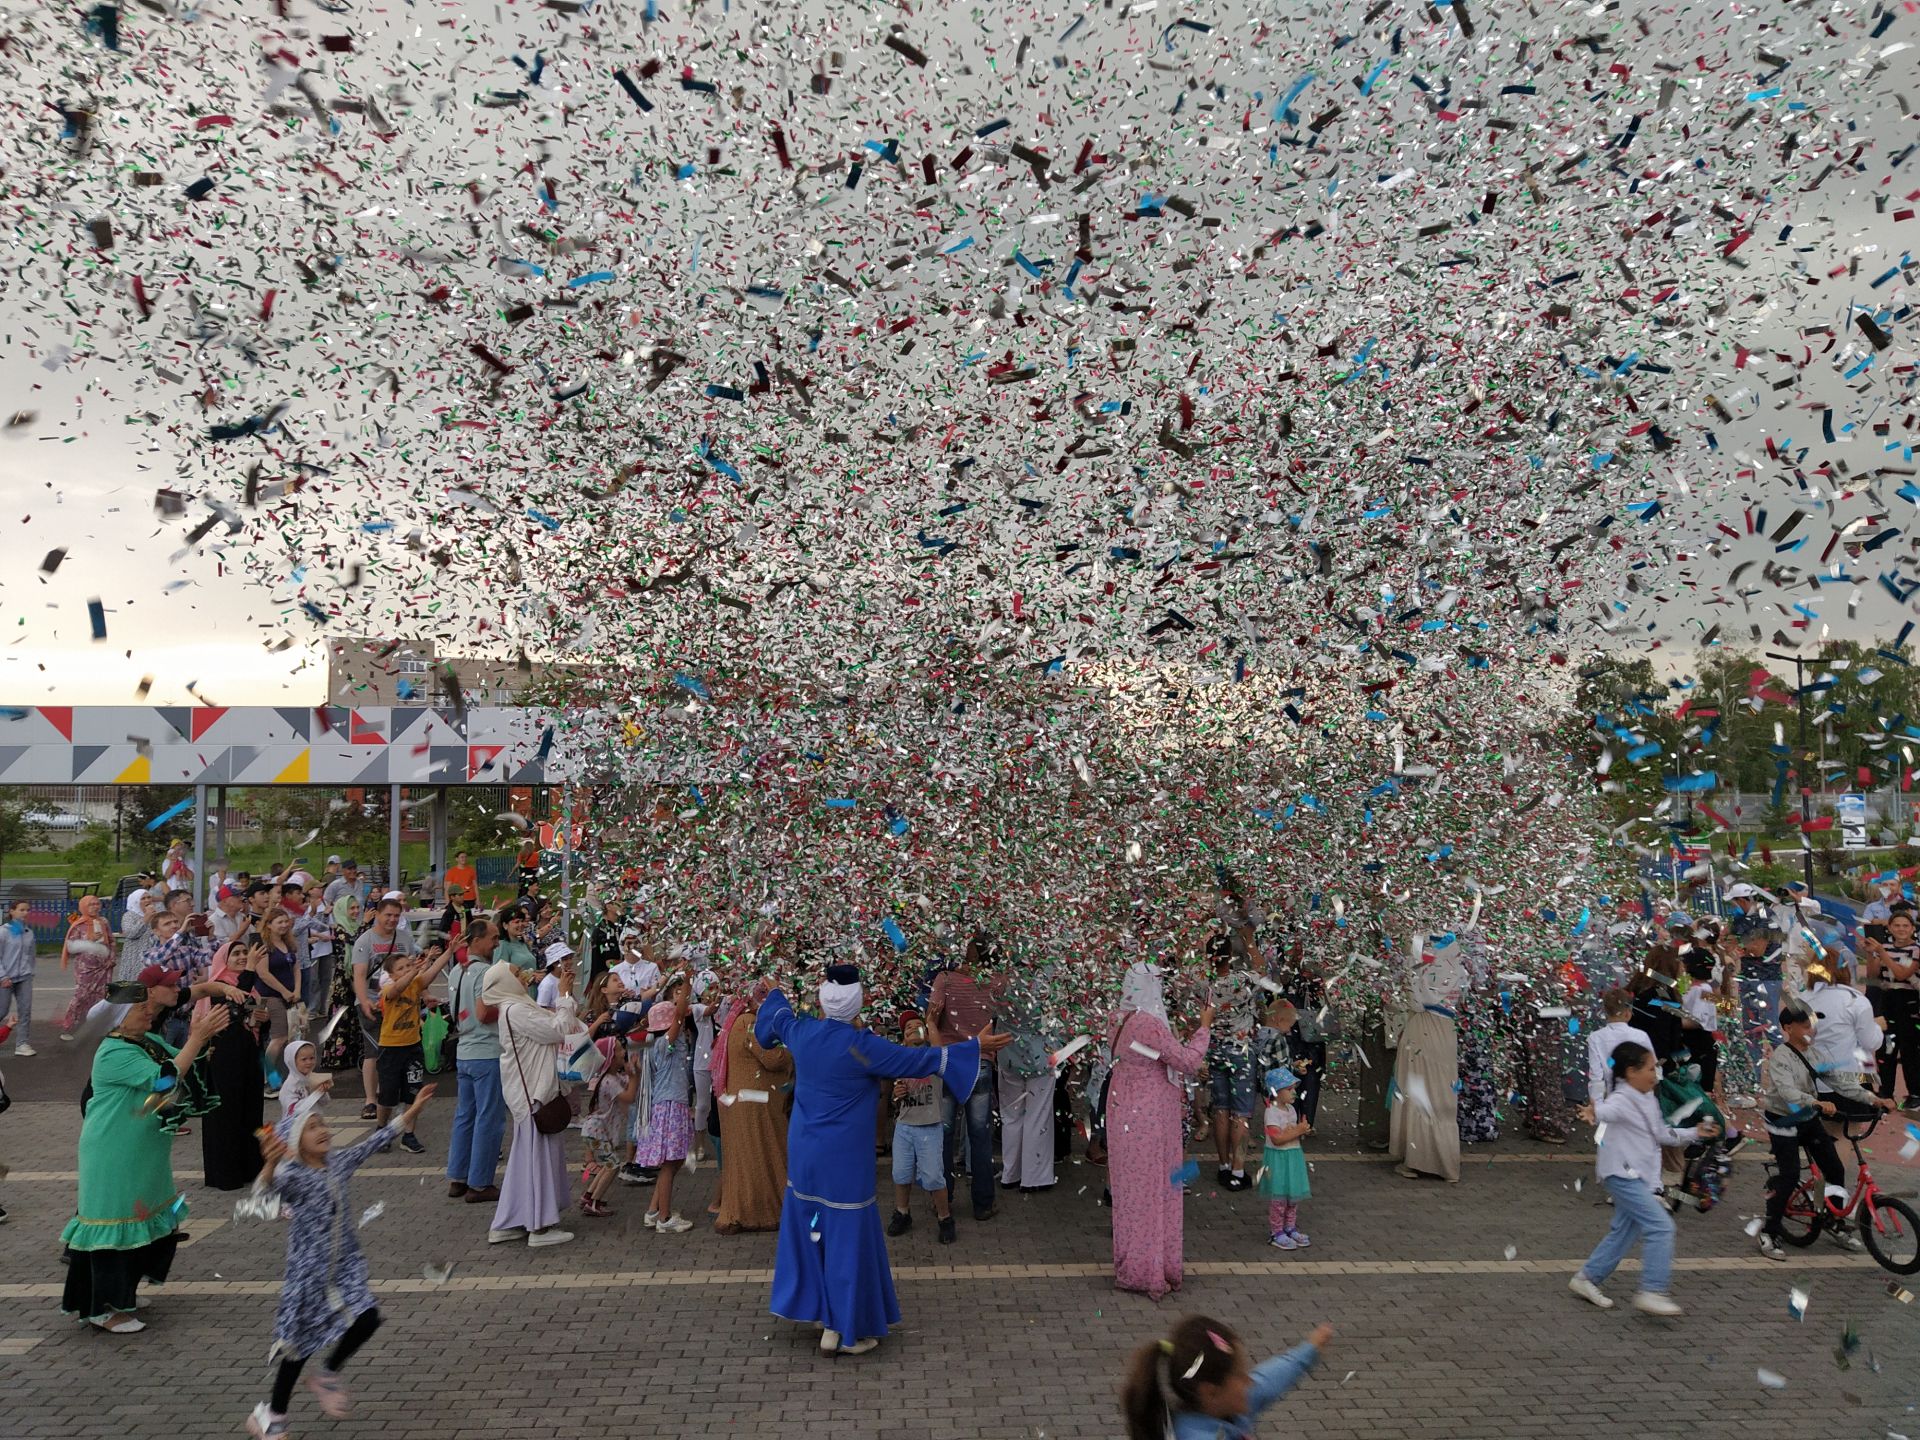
(831, 1269)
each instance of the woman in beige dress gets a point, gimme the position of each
(753, 1123)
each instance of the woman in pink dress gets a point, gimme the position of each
(1144, 1140)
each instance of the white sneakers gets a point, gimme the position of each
(263, 1424)
(501, 1237)
(1589, 1292)
(25, 1052)
(670, 1225)
(555, 1236)
(1646, 1302)
(1770, 1248)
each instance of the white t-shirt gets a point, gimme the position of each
(1697, 1005)
(548, 995)
(638, 975)
(1281, 1117)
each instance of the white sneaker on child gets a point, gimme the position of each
(1647, 1302)
(1300, 1239)
(263, 1424)
(674, 1226)
(1281, 1240)
(650, 1219)
(1589, 1292)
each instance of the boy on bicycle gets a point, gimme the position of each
(1793, 1113)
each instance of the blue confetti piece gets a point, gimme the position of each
(894, 933)
(692, 684)
(165, 815)
(545, 520)
(593, 278)
(1186, 1174)
(840, 804)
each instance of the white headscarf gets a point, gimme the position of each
(1142, 991)
(841, 1002)
(500, 987)
(296, 1087)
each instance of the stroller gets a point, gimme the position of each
(1703, 1179)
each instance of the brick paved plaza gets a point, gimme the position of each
(1014, 1331)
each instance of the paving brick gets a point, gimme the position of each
(1015, 1331)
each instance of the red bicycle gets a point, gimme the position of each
(1889, 1227)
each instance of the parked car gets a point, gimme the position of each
(55, 820)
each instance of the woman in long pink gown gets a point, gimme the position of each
(1144, 1140)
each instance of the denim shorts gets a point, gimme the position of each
(917, 1156)
(1230, 1073)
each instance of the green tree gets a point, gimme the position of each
(17, 832)
(147, 803)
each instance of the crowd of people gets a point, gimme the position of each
(654, 1058)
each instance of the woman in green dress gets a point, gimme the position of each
(127, 1225)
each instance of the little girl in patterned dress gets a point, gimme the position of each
(325, 1299)
(1283, 1178)
(604, 1126)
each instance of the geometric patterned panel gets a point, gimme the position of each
(277, 744)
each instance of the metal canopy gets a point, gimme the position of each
(276, 745)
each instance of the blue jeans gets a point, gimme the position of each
(479, 1122)
(979, 1137)
(1638, 1215)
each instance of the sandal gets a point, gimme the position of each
(369, 1111)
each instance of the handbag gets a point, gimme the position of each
(552, 1116)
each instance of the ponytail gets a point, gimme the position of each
(1627, 1055)
(1164, 1376)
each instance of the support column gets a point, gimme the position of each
(393, 837)
(199, 847)
(220, 822)
(438, 817)
(566, 864)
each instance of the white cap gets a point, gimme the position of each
(1810, 907)
(393, 895)
(557, 952)
(333, 859)
(1741, 891)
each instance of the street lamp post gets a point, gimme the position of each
(1806, 805)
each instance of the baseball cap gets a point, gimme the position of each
(333, 859)
(225, 892)
(159, 977)
(1741, 891)
(1679, 920)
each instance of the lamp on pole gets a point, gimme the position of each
(1806, 805)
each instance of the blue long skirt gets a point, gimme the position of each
(831, 1269)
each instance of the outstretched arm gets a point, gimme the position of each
(774, 1019)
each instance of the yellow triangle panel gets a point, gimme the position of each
(140, 772)
(296, 772)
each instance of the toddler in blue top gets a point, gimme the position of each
(1199, 1383)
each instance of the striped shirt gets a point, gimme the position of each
(960, 1006)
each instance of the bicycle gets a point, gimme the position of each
(1889, 1227)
